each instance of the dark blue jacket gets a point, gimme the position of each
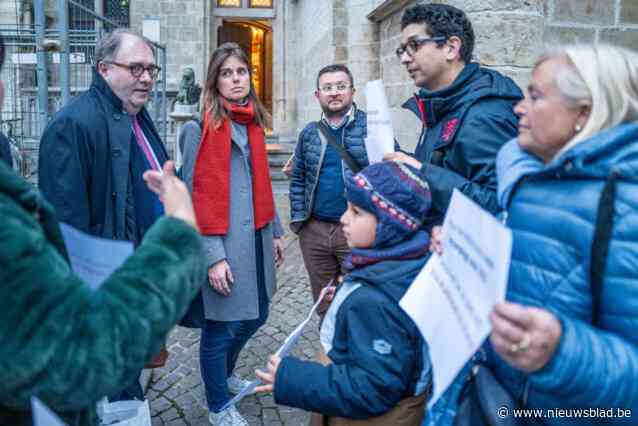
(309, 154)
(464, 126)
(85, 162)
(593, 366)
(376, 349)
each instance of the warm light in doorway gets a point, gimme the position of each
(228, 3)
(255, 57)
(261, 3)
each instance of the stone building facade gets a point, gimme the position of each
(510, 35)
(308, 34)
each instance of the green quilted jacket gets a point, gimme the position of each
(64, 343)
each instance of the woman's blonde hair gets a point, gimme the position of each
(602, 77)
(212, 101)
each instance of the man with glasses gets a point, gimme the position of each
(95, 150)
(466, 110)
(317, 198)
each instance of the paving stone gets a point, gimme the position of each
(174, 392)
(250, 408)
(293, 417)
(160, 386)
(160, 405)
(176, 422)
(270, 330)
(185, 400)
(171, 365)
(270, 415)
(267, 400)
(253, 420)
(184, 370)
(151, 394)
(176, 350)
(169, 415)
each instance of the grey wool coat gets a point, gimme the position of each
(238, 245)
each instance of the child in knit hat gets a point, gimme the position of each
(377, 366)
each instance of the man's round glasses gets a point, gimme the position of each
(415, 43)
(137, 70)
(339, 88)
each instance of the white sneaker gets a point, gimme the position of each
(236, 384)
(228, 417)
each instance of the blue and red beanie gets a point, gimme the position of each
(396, 194)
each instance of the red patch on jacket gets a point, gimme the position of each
(448, 129)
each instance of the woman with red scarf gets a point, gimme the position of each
(226, 167)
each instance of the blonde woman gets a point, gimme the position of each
(566, 337)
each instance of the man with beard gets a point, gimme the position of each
(317, 198)
(96, 149)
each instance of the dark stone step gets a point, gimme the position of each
(277, 162)
(279, 148)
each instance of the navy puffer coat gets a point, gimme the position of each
(308, 158)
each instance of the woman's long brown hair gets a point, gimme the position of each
(213, 101)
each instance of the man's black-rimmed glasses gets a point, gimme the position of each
(137, 70)
(415, 43)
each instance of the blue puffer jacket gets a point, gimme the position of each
(552, 213)
(464, 126)
(378, 354)
(308, 158)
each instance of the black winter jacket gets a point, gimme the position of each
(464, 126)
(84, 165)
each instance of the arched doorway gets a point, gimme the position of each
(255, 38)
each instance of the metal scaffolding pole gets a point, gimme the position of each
(156, 90)
(98, 6)
(43, 87)
(65, 67)
(164, 106)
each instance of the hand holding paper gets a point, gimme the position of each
(451, 299)
(268, 377)
(526, 337)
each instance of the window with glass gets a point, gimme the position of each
(255, 4)
(260, 3)
(118, 11)
(228, 3)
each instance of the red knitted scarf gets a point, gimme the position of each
(211, 178)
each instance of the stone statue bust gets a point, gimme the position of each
(189, 91)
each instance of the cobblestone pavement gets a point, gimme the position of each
(176, 393)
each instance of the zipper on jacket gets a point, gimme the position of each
(343, 145)
(516, 187)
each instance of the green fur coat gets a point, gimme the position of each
(64, 343)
